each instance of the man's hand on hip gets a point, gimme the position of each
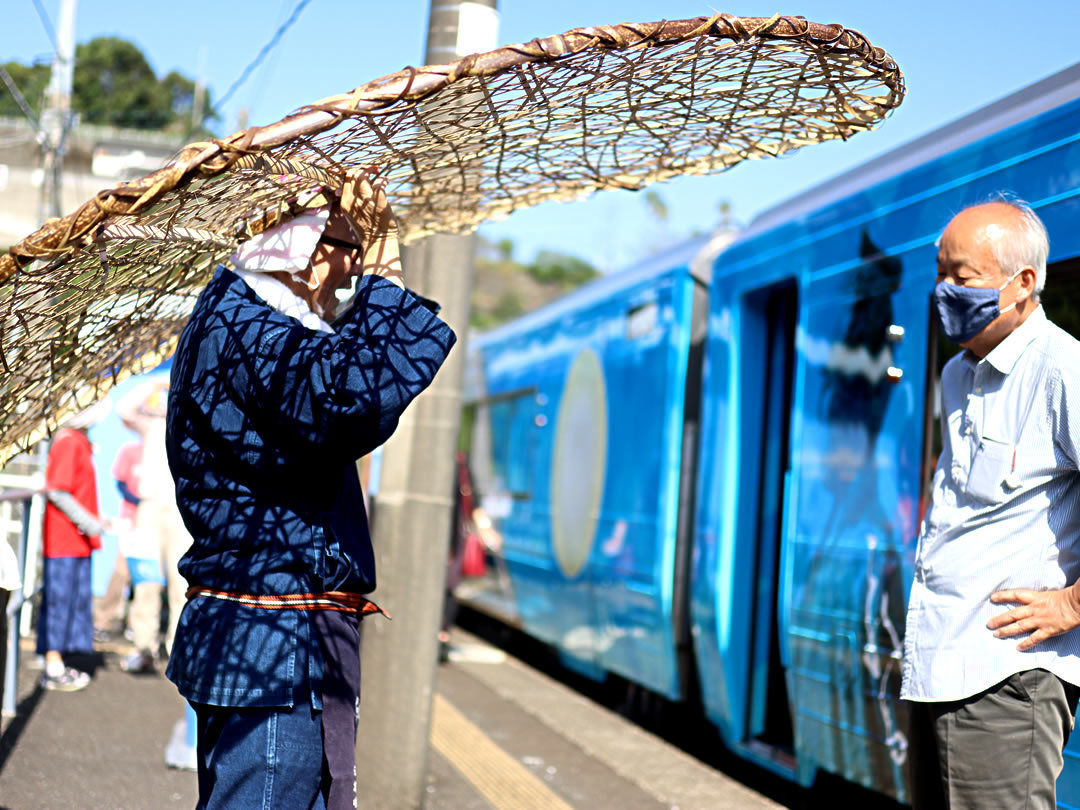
(1043, 614)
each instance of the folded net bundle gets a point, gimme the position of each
(103, 292)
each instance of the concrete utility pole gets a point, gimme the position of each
(56, 117)
(414, 504)
(198, 99)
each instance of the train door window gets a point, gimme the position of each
(512, 420)
(940, 351)
(641, 320)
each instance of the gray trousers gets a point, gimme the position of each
(1001, 748)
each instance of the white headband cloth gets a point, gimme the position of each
(286, 247)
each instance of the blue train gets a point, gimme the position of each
(708, 470)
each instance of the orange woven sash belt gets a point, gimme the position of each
(331, 600)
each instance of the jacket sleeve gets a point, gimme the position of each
(86, 522)
(344, 392)
(127, 494)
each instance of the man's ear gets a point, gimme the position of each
(1028, 279)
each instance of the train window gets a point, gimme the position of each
(512, 422)
(1061, 297)
(641, 320)
(941, 350)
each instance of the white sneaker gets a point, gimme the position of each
(70, 680)
(140, 662)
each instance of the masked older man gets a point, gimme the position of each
(992, 657)
(269, 407)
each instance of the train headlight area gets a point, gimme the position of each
(708, 471)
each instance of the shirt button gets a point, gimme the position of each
(978, 390)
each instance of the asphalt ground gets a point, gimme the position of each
(504, 737)
(102, 747)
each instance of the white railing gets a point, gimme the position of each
(27, 551)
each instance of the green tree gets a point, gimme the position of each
(181, 91)
(504, 249)
(505, 288)
(31, 81)
(114, 85)
(552, 267)
(508, 307)
(656, 205)
(727, 221)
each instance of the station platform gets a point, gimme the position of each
(504, 737)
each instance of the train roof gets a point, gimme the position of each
(1046, 94)
(681, 255)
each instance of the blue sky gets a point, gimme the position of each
(956, 56)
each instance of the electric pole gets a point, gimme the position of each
(56, 117)
(414, 504)
(198, 99)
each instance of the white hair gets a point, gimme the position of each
(1024, 243)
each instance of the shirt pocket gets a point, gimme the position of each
(989, 468)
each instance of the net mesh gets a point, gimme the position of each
(104, 292)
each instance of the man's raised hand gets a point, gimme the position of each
(363, 197)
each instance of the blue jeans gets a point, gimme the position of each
(65, 622)
(266, 758)
(289, 758)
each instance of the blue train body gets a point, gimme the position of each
(585, 403)
(716, 465)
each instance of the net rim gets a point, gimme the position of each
(409, 86)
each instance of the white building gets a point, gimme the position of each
(96, 158)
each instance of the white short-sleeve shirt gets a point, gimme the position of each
(1005, 513)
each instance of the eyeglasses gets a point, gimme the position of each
(341, 243)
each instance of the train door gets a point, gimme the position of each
(1061, 300)
(766, 388)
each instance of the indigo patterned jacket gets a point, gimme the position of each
(266, 420)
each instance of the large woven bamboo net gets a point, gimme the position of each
(103, 292)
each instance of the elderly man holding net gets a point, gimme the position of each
(272, 401)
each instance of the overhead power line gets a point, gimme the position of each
(269, 46)
(46, 23)
(19, 99)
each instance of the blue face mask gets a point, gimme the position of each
(963, 312)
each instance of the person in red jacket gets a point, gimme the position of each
(71, 532)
